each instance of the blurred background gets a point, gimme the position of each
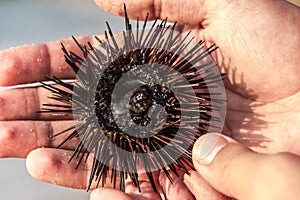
(33, 21)
(39, 21)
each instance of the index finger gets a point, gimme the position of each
(34, 62)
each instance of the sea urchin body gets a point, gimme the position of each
(140, 100)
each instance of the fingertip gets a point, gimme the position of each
(54, 166)
(177, 189)
(208, 146)
(108, 193)
(13, 63)
(39, 163)
(31, 162)
(200, 188)
(224, 163)
(146, 192)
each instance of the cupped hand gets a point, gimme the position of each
(258, 49)
(259, 45)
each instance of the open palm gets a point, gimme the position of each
(259, 45)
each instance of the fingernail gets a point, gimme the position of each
(208, 146)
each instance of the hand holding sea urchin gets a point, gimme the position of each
(140, 101)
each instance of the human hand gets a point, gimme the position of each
(236, 171)
(22, 129)
(229, 167)
(251, 56)
(253, 50)
(259, 47)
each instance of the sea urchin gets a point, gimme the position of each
(140, 100)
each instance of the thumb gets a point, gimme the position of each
(236, 171)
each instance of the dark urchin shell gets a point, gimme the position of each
(140, 99)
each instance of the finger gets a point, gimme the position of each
(18, 138)
(201, 189)
(35, 62)
(53, 166)
(238, 172)
(177, 189)
(108, 193)
(146, 192)
(189, 13)
(24, 104)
